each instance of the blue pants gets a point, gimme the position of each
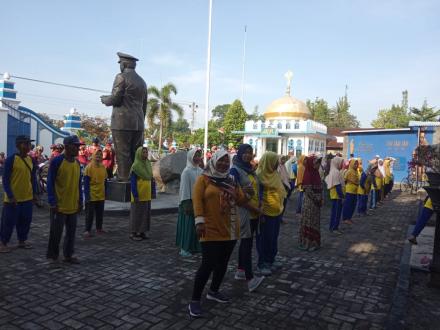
(423, 218)
(335, 216)
(362, 204)
(299, 201)
(19, 216)
(267, 240)
(373, 199)
(349, 206)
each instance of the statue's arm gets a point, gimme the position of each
(117, 92)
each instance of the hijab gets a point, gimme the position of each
(311, 173)
(238, 158)
(300, 170)
(211, 171)
(387, 167)
(190, 158)
(289, 165)
(334, 176)
(352, 176)
(284, 173)
(189, 175)
(268, 174)
(142, 168)
(381, 167)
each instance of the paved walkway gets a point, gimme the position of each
(122, 284)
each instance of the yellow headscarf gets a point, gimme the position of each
(300, 170)
(352, 176)
(360, 168)
(268, 175)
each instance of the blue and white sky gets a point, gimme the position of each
(376, 47)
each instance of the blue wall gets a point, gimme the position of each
(399, 145)
(16, 127)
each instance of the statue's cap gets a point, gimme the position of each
(126, 57)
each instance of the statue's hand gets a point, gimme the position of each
(104, 99)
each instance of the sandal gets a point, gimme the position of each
(135, 238)
(4, 249)
(412, 240)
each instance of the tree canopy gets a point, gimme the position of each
(424, 113)
(235, 119)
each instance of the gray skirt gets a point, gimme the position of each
(140, 215)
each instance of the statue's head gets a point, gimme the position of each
(126, 61)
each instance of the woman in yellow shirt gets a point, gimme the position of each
(141, 176)
(95, 176)
(272, 193)
(215, 198)
(351, 178)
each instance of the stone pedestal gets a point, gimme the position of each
(118, 191)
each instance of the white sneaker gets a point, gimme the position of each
(240, 275)
(255, 283)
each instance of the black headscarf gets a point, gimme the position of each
(238, 159)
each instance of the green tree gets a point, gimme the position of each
(54, 122)
(340, 115)
(95, 127)
(219, 112)
(235, 119)
(320, 111)
(394, 117)
(179, 131)
(425, 113)
(256, 116)
(215, 137)
(161, 106)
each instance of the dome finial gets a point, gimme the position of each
(288, 75)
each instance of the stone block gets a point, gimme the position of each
(118, 191)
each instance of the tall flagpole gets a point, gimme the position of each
(208, 79)
(244, 61)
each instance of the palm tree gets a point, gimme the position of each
(160, 106)
(425, 113)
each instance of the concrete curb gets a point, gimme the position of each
(396, 317)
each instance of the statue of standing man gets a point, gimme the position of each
(129, 101)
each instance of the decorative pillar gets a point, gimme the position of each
(280, 144)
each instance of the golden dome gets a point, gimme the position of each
(287, 107)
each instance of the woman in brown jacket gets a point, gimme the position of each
(215, 196)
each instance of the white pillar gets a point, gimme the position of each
(280, 144)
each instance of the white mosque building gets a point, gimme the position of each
(287, 128)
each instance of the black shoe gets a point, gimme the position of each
(217, 296)
(194, 309)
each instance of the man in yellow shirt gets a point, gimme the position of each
(64, 192)
(19, 184)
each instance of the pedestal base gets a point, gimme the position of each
(118, 191)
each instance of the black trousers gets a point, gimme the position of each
(57, 222)
(215, 258)
(126, 143)
(92, 209)
(245, 251)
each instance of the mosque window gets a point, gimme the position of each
(270, 123)
(296, 124)
(255, 126)
(288, 125)
(280, 125)
(298, 143)
(263, 125)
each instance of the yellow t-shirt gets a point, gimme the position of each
(144, 190)
(379, 182)
(97, 176)
(334, 193)
(21, 180)
(292, 176)
(360, 190)
(67, 187)
(254, 199)
(272, 202)
(428, 204)
(351, 188)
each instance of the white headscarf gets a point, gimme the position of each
(381, 167)
(189, 176)
(334, 177)
(211, 170)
